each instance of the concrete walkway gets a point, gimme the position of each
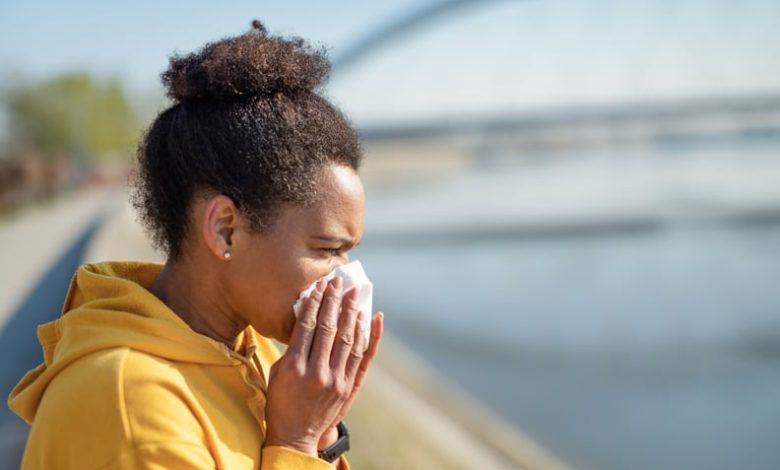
(33, 240)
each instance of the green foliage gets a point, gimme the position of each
(72, 115)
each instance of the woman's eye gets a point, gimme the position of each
(332, 251)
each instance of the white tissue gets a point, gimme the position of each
(353, 275)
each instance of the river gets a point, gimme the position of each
(656, 346)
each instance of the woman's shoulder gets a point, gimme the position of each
(126, 388)
(111, 385)
(106, 376)
(117, 366)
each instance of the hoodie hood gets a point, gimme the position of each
(109, 305)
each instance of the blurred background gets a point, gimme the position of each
(573, 219)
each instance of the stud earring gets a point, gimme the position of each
(227, 254)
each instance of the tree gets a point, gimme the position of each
(72, 115)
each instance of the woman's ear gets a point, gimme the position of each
(220, 221)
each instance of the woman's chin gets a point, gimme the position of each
(280, 330)
(284, 334)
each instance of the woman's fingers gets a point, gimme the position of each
(358, 363)
(346, 337)
(359, 366)
(303, 331)
(327, 325)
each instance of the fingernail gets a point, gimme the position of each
(320, 287)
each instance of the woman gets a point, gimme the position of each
(249, 184)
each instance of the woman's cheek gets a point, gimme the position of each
(303, 277)
(316, 267)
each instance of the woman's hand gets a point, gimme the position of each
(312, 386)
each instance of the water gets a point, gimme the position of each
(652, 348)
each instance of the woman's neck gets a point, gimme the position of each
(196, 299)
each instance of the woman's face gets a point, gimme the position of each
(267, 271)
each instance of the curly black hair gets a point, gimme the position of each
(247, 121)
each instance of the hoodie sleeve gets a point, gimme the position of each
(283, 458)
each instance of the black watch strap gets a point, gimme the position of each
(341, 445)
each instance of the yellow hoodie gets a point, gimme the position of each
(125, 383)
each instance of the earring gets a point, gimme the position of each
(227, 254)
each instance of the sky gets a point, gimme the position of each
(500, 57)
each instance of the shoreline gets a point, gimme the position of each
(473, 422)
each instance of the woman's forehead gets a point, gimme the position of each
(340, 182)
(336, 212)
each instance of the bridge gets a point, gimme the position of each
(546, 129)
(648, 122)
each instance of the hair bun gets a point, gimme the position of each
(244, 66)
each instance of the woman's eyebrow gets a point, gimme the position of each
(344, 241)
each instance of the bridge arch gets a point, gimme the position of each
(400, 27)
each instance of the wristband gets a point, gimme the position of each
(334, 451)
